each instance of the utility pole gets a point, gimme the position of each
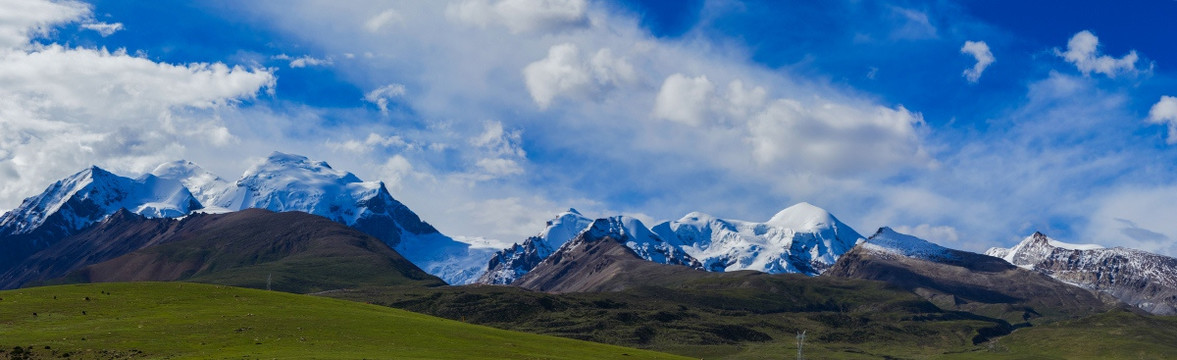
(269, 278)
(800, 343)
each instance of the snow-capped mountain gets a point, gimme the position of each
(610, 255)
(84, 198)
(637, 237)
(799, 239)
(889, 241)
(1138, 278)
(281, 182)
(509, 264)
(285, 182)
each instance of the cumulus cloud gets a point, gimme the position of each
(381, 96)
(837, 139)
(22, 20)
(384, 18)
(825, 136)
(564, 72)
(684, 99)
(1165, 112)
(1083, 51)
(980, 51)
(104, 29)
(521, 16)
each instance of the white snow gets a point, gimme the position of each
(889, 241)
(1060, 244)
(802, 238)
(148, 196)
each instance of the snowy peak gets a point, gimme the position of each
(285, 182)
(564, 227)
(636, 236)
(802, 238)
(92, 194)
(208, 188)
(887, 240)
(803, 217)
(1036, 246)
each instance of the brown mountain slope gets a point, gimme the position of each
(594, 263)
(289, 251)
(966, 281)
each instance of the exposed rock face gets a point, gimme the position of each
(1145, 280)
(600, 260)
(511, 263)
(963, 280)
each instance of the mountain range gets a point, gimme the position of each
(801, 239)
(91, 225)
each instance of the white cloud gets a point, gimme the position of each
(384, 18)
(1165, 112)
(684, 99)
(22, 20)
(304, 61)
(564, 72)
(372, 142)
(824, 136)
(980, 51)
(1136, 217)
(1083, 51)
(944, 235)
(520, 16)
(501, 152)
(381, 96)
(595, 113)
(394, 171)
(837, 139)
(104, 29)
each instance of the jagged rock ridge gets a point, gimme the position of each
(1145, 280)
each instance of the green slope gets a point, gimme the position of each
(741, 315)
(1116, 334)
(198, 321)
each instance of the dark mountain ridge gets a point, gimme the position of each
(288, 251)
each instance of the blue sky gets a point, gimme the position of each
(489, 116)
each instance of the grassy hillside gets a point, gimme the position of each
(1116, 334)
(742, 315)
(198, 321)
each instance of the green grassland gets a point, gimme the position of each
(1116, 334)
(731, 316)
(200, 321)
